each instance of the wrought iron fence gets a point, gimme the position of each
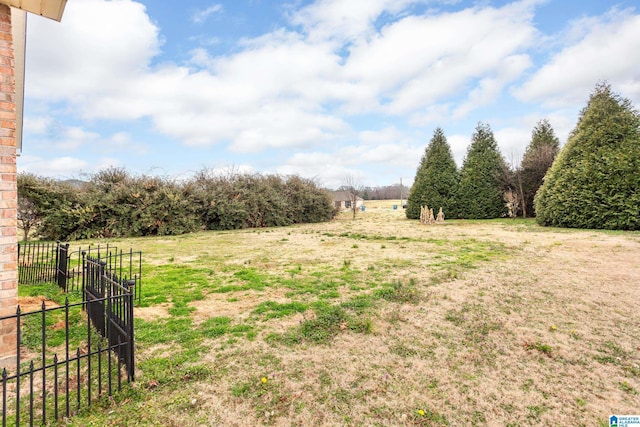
(50, 379)
(112, 317)
(38, 262)
(54, 262)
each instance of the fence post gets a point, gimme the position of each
(131, 284)
(18, 372)
(61, 265)
(84, 270)
(56, 263)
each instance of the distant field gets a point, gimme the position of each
(384, 321)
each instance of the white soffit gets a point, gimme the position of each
(51, 9)
(18, 29)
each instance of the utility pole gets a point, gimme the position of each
(401, 204)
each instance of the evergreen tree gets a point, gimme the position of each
(537, 159)
(482, 178)
(595, 180)
(436, 179)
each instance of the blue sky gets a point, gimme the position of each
(324, 89)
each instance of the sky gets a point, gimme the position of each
(331, 90)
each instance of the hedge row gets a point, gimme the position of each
(114, 203)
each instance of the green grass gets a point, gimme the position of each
(50, 291)
(327, 322)
(272, 309)
(400, 292)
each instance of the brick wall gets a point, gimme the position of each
(8, 187)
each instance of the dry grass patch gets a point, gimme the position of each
(383, 321)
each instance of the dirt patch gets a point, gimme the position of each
(238, 305)
(29, 304)
(153, 312)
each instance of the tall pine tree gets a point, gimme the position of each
(482, 183)
(436, 179)
(595, 180)
(537, 159)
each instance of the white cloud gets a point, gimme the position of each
(60, 166)
(283, 89)
(347, 77)
(383, 154)
(63, 167)
(201, 15)
(345, 21)
(37, 125)
(609, 50)
(389, 134)
(419, 60)
(489, 88)
(74, 137)
(326, 168)
(459, 144)
(122, 142)
(512, 142)
(83, 57)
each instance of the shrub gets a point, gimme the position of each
(115, 204)
(595, 180)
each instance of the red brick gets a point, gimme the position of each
(9, 325)
(10, 340)
(4, 204)
(5, 13)
(8, 280)
(10, 266)
(8, 197)
(9, 231)
(9, 213)
(9, 301)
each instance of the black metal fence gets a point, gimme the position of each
(51, 379)
(68, 356)
(111, 314)
(40, 262)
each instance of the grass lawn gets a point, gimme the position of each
(384, 321)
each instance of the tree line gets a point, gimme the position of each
(592, 182)
(115, 203)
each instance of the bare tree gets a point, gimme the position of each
(354, 190)
(515, 193)
(28, 216)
